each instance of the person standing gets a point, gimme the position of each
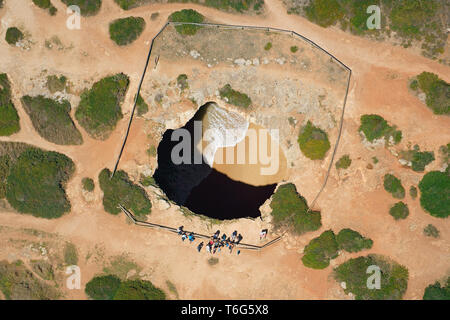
(200, 246)
(233, 235)
(263, 234)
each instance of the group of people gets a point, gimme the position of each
(217, 242)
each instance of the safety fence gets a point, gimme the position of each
(240, 245)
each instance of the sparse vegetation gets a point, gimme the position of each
(413, 192)
(431, 231)
(56, 84)
(147, 181)
(120, 190)
(88, 184)
(434, 193)
(187, 16)
(52, 120)
(213, 261)
(290, 209)
(43, 269)
(154, 16)
(5, 165)
(294, 49)
(417, 158)
(46, 4)
(13, 35)
(320, 251)
(344, 162)
(141, 106)
(9, 118)
(394, 278)
(268, 46)
(375, 127)
(393, 185)
(313, 142)
(70, 254)
(125, 31)
(437, 292)
(235, 97)
(100, 107)
(87, 7)
(182, 82)
(19, 283)
(36, 180)
(151, 151)
(437, 92)
(399, 211)
(352, 241)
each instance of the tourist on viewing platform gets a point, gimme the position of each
(208, 248)
(233, 236)
(239, 238)
(263, 234)
(224, 237)
(231, 247)
(183, 236)
(200, 246)
(216, 235)
(191, 237)
(180, 229)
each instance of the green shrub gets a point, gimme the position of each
(102, 287)
(55, 83)
(268, 46)
(141, 106)
(294, 49)
(182, 82)
(394, 278)
(213, 261)
(375, 160)
(289, 208)
(35, 184)
(70, 254)
(147, 181)
(375, 127)
(9, 118)
(13, 35)
(151, 151)
(437, 292)
(413, 192)
(125, 31)
(43, 269)
(324, 12)
(351, 241)
(138, 290)
(417, 158)
(399, 211)
(320, 251)
(189, 16)
(435, 193)
(437, 92)
(5, 166)
(88, 184)
(87, 7)
(313, 142)
(235, 97)
(45, 4)
(344, 162)
(414, 85)
(393, 185)
(120, 190)
(100, 107)
(431, 231)
(52, 120)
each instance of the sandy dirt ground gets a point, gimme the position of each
(353, 199)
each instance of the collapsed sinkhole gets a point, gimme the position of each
(195, 183)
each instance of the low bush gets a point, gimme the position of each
(235, 97)
(5, 166)
(399, 211)
(120, 190)
(87, 7)
(434, 193)
(182, 82)
(13, 35)
(55, 83)
(417, 158)
(189, 16)
(352, 241)
(313, 142)
(320, 251)
(375, 127)
(52, 120)
(88, 184)
(9, 118)
(70, 254)
(268, 46)
(344, 162)
(324, 12)
(46, 4)
(294, 49)
(437, 292)
(138, 290)
(43, 269)
(437, 92)
(100, 107)
(141, 106)
(393, 284)
(393, 185)
(413, 192)
(431, 231)
(102, 287)
(35, 184)
(126, 30)
(290, 209)
(147, 181)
